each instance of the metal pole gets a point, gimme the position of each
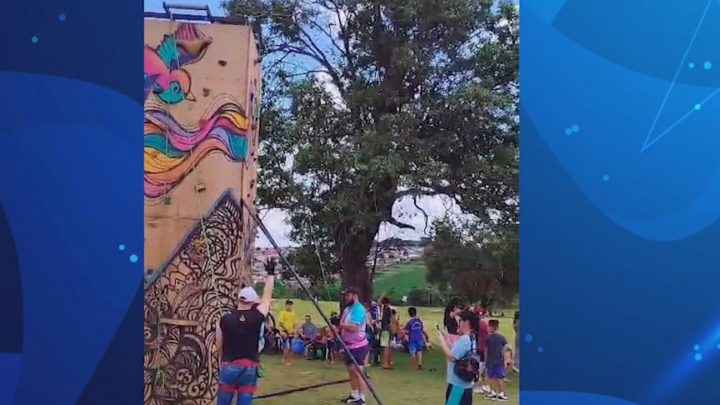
(285, 263)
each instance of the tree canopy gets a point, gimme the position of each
(366, 102)
(475, 264)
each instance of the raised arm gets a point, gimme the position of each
(266, 299)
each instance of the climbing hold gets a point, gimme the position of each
(167, 200)
(200, 187)
(222, 63)
(206, 91)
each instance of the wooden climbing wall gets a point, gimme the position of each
(202, 89)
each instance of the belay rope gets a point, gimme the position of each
(284, 262)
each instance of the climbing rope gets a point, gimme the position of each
(305, 289)
(309, 230)
(301, 389)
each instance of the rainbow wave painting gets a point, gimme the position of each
(173, 151)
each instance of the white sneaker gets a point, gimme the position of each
(478, 390)
(501, 397)
(491, 396)
(485, 388)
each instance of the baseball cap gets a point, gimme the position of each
(350, 290)
(248, 294)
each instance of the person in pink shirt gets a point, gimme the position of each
(482, 333)
(352, 332)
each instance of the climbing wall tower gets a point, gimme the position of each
(202, 87)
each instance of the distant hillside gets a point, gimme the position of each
(400, 278)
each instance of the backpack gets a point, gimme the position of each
(468, 367)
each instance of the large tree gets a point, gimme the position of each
(370, 101)
(477, 264)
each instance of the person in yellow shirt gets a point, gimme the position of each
(287, 327)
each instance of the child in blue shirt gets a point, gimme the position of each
(415, 335)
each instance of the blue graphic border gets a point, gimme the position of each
(71, 203)
(621, 194)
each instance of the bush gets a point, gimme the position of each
(281, 290)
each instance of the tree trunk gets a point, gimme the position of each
(355, 272)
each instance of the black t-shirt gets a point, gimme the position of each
(335, 321)
(451, 325)
(241, 334)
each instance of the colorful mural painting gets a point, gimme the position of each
(183, 300)
(195, 274)
(163, 65)
(172, 151)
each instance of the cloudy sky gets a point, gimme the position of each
(404, 210)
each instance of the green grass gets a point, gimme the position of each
(400, 278)
(395, 387)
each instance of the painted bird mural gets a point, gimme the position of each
(164, 73)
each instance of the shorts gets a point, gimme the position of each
(496, 371)
(237, 378)
(415, 347)
(455, 395)
(287, 342)
(359, 354)
(385, 338)
(335, 346)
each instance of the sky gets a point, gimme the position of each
(404, 210)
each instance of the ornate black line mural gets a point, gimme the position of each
(183, 301)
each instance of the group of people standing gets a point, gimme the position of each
(468, 337)
(240, 338)
(475, 350)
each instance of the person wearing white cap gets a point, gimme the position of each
(238, 340)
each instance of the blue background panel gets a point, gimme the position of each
(70, 194)
(621, 196)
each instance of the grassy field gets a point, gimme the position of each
(400, 278)
(395, 387)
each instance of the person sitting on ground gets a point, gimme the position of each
(334, 342)
(495, 361)
(239, 341)
(318, 348)
(307, 332)
(286, 323)
(270, 336)
(414, 333)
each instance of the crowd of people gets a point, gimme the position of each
(478, 355)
